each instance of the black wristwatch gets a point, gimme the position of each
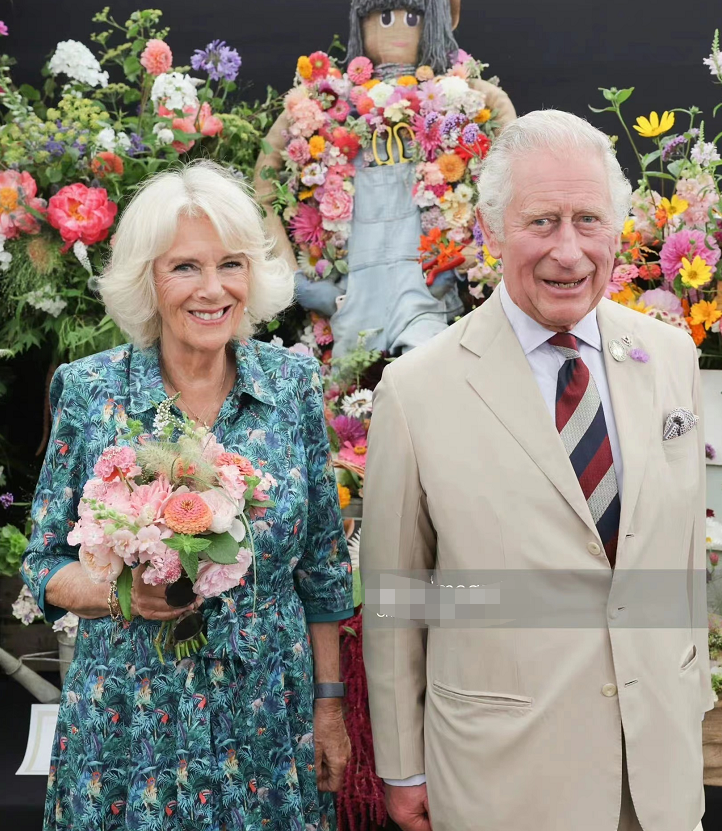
(329, 689)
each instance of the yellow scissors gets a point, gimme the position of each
(393, 134)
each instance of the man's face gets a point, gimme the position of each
(559, 242)
(392, 36)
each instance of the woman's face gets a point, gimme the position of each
(201, 286)
(392, 36)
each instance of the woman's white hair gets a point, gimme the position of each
(547, 130)
(147, 230)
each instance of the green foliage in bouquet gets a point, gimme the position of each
(12, 547)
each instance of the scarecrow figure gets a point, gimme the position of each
(383, 291)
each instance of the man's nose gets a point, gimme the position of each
(567, 250)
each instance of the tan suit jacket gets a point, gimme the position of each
(519, 727)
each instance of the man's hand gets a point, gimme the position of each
(408, 807)
(333, 748)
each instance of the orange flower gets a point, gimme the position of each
(304, 68)
(698, 332)
(245, 468)
(424, 73)
(316, 146)
(105, 163)
(187, 513)
(407, 81)
(660, 217)
(452, 167)
(344, 497)
(431, 240)
(483, 116)
(371, 84)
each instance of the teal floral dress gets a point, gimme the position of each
(222, 741)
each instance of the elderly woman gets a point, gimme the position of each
(234, 737)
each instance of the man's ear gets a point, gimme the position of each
(490, 239)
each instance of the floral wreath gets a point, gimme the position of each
(439, 123)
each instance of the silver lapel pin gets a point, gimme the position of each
(617, 350)
(627, 341)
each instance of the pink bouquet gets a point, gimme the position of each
(179, 507)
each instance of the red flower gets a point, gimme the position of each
(479, 148)
(105, 163)
(81, 213)
(347, 142)
(650, 272)
(320, 65)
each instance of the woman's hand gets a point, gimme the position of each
(149, 601)
(333, 748)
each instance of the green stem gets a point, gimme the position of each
(634, 146)
(661, 165)
(244, 520)
(157, 640)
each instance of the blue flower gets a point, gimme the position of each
(218, 60)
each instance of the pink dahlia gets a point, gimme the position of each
(148, 501)
(306, 225)
(360, 70)
(17, 194)
(689, 244)
(156, 58)
(349, 430)
(322, 332)
(428, 135)
(81, 213)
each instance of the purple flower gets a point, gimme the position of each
(6, 500)
(452, 122)
(672, 147)
(639, 355)
(136, 145)
(430, 120)
(55, 148)
(478, 235)
(711, 454)
(470, 134)
(3, 28)
(218, 60)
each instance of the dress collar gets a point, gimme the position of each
(531, 335)
(146, 383)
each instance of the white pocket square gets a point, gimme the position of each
(679, 422)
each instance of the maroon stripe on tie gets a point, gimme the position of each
(597, 468)
(573, 394)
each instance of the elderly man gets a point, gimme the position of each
(548, 444)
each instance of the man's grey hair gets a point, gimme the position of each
(546, 130)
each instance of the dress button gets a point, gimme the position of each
(609, 690)
(594, 548)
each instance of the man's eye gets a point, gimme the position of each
(540, 223)
(589, 219)
(412, 19)
(387, 19)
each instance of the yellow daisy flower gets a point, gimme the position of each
(696, 273)
(705, 312)
(316, 146)
(654, 125)
(674, 206)
(304, 68)
(488, 259)
(483, 116)
(407, 81)
(628, 227)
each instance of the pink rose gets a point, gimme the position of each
(339, 112)
(216, 578)
(164, 568)
(148, 501)
(224, 509)
(81, 213)
(336, 205)
(298, 151)
(101, 565)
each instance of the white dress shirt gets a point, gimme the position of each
(545, 362)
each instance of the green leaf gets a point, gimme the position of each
(678, 286)
(187, 543)
(272, 325)
(222, 549)
(607, 93)
(29, 92)
(54, 174)
(189, 561)
(605, 110)
(358, 589)
(661, 175)
(341, 266)
(623, 94)
(131, 67)
(648, 158)
(125, 585)
(349, 631)
(251, 481)
(266, 147)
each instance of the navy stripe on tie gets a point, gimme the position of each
(565, 376)
(608, 524)
(589, 443)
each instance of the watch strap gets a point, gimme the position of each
(329, 689)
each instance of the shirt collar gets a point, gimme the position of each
(146, 383)
(531, 335)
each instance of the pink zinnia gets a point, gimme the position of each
(622, 274)
(354, 453)
(339, 111)
(156, 57)
(306, 225)
(322, 332)
(360, 70)
(187, 513)
(349, 430)
(3, 28)
(689, 244)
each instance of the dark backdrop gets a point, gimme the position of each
(548, 53)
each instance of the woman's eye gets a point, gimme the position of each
(183, 267)
(387, 19)
(232, 264)
(412, 19)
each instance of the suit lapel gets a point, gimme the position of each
(503, 378)
(631, 389)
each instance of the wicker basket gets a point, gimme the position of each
(712, 746)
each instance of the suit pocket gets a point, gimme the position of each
(690, 658)
(472, 696)
(680, 446)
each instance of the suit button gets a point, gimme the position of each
(593, 548)
(609, 690)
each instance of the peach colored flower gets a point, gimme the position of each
(17, 192)
(156, 58)
(223, 507)
(187, 513)
(214, 578)
(451, 166)
(241, 462)
(105, 163)
(115, 463)
(208, 124)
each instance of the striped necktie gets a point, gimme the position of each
(583, 430)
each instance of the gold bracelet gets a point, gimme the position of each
(116, 612)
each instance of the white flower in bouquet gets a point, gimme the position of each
(704, 153)
(714, 534)
(75, 60)
(45, 299)
(380, 94)
(175, 91)
(455, 90)
(25, 609)
(108, 139)
(714, 62)
(164, 134)
(358, 404)
(68, 625)
(5, 256)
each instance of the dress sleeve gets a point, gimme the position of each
(323, 573)
(55, 504)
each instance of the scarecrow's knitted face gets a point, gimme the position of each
(393, 36)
